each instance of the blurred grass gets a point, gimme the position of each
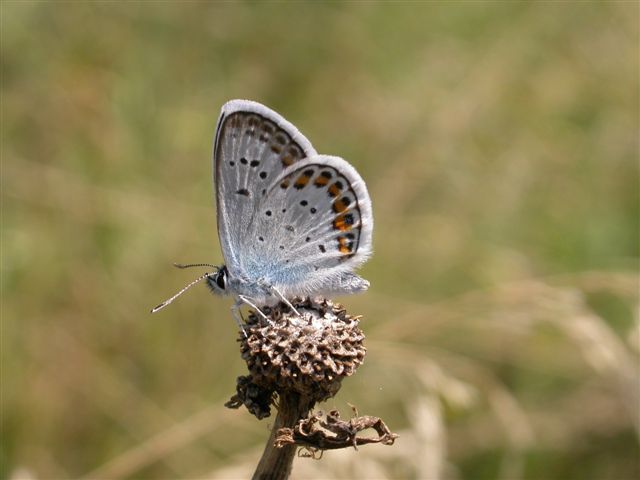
(499, 142)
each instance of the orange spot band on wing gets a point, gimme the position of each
(340, 205)
(287, 160)
(344, 246)
(321, 181)
(343, 222)
(334, 190)
(303, 179)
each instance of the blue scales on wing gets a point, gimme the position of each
(312, 229)
(253, 146)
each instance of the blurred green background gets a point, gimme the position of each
(499, 142)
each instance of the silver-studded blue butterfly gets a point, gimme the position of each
(291, 222)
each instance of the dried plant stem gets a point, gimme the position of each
(276, 463)
(302, 357)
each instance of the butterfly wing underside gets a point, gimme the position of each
(312, 228)
(253, 145)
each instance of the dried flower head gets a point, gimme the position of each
(308, 354)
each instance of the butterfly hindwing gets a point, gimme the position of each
(314, 222)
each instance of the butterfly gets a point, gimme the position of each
(292, 223)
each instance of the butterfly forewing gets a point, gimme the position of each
(253, 146)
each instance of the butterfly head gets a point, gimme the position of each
(217, 281)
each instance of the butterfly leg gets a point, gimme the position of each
(248, 300)
(277, 293)
(237, 316)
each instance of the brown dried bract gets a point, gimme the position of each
(256, 398)
(317, 434)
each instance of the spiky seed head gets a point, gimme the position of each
(308, 354)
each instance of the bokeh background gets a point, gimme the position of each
(499, 142)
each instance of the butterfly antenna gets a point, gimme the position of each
(168, 301)
(189, 265)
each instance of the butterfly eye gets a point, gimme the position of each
(220, 279)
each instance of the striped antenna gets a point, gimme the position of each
(170, 300)
(189, 265)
